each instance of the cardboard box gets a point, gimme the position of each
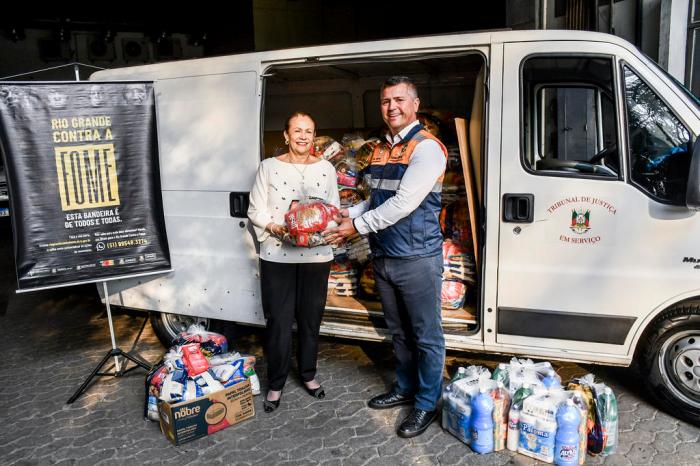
(190, 420)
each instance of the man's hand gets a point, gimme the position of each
(344, 229)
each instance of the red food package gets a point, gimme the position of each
(194, 360)
(309, 217)
(453, 293)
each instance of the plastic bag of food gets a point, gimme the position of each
(455, 224)
(346, 171)
(363, 156)
(327, 148)
(349, 197)
(210, 343)
(456, 396)
(452, 294)
(306, 220)
(457, 263)
(358, 248)
(352, 143)
(342, 280)
(602, 414)
(579, 399)
(501, 409)
(154, 382)
(367, 283)
(538, 425)
(521, 371)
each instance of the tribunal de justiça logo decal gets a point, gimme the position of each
(580, 221)
(585, 219)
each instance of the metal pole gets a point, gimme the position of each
(76, 69)
(111, 328)
(611, 17)
(542, 14)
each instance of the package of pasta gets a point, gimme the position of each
(306, 220)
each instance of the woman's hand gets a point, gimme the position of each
(276, 229)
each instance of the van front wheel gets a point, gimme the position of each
(671, 361)
(168, 326)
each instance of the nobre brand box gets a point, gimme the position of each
(190, 420)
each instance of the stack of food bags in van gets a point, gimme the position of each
(342, 280)
(458, 251)
(197, 364)
(349, 159)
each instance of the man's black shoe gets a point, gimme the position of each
(389, 400)
(416, 423)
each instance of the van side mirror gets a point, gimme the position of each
(692, 194)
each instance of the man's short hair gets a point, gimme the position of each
(396, 80)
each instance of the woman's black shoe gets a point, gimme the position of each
(269, 405)
(317, 392)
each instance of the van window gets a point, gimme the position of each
(569, 116)
(659, 144)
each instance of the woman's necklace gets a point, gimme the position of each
(301, 172)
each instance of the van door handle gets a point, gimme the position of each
(518, 208)
(238, 203)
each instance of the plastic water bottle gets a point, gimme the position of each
(461, 373)
(449, 405)
(501, 405)
(608, 409)
(501, 373)
(482, 423)
(567, 439)
(514, 417)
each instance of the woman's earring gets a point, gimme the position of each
(286, 142)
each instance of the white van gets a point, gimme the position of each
(588, 235)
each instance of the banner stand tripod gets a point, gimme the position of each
(115, 352)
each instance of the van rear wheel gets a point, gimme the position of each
(671, 361)
(168, 326)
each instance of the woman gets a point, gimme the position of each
(294, 280)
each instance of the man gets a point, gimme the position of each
(401, 218)
(135, 94)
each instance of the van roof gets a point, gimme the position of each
(442, 42)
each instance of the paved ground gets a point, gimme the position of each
(51, 340)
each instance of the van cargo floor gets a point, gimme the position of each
(351, 310)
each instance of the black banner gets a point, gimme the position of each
(82, 170)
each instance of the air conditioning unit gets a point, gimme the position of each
(135, 50)
(100, 49)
